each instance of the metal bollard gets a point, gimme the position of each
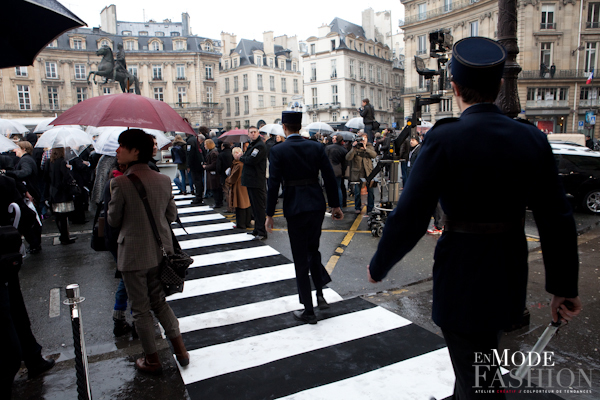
(84, 390)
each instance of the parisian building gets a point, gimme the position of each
(258, 80)
(346, 63)
(171, 64)
(558, 43)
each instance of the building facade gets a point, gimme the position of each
(258, 80)
(171, 64)
(558, 43)
(346, 63)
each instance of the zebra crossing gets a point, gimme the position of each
(235, 318)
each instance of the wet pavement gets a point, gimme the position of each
(406, 291)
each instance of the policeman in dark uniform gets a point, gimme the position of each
(296, 163)
(485, 169)
(254, 177)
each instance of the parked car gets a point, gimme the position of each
(579, 170)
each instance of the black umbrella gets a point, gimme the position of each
(29, 25)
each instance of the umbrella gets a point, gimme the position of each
(319, 127)
(125, 109)
(6, 144)
(62, 136)
(355, 123)
(107, 141)
(8, 127)
(235, 136)
(272, 129)
(44, 19)
(345, 135)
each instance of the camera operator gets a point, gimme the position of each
(368, 113)
(361, 156)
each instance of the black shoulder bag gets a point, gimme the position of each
(173, 267)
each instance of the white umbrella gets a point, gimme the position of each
(426, 124)
(107, 141)
(44, 125)
(62, 136)
(355, 123)
(9, 127)
(6, 144)
(272, 129)
(319, 127)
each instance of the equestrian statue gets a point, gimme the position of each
(115, 70)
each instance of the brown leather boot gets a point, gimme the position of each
(150, 364)
(183, 357)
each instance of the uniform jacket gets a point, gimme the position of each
(138, 249)
(299, 159)
(238, 197)
(254, 174)
(361, 164)
(213, 180)
(483, 167)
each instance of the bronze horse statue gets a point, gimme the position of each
(106, 68)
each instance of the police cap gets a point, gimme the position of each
(477, 62)
(291, 117)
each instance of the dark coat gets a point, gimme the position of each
(179, 154)
(413, 154)
(224, 161)
(337, 156)
(27, 171)
(254, 174)
(480, 280)
(368, 114)
(58, 177)
(195, 154)
(300, 159)
(213, 179)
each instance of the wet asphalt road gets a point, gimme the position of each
(406, 290)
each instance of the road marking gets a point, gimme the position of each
(338, 252)
(54, 303)
(233, 255)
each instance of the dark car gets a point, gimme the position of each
(579, 170)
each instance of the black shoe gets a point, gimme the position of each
(121, 327)
(198, 202)
(34, 250)
(260, 237)
(303, 317)
(322, 303)
(41, 367)
(70, 241)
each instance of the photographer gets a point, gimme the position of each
(368, 113)
(361, 156)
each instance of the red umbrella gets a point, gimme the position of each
(235, 136)
(125, 109)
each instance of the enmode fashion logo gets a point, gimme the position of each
(541, 376)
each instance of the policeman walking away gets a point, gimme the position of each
(296, 163)
(480, 268)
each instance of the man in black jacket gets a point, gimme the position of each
(195, 160)
(368, 113)
(336, 152)
(254, 177)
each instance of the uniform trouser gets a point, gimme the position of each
(243, 216)
(462, 348)
(198, 184)
(258, 200)
(304, 231)
(33, 236)
(145, 293)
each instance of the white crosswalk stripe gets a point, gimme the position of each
(235, 317)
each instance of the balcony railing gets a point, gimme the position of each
(592, 25)
(445, 9)
(589, 103)
(559, 74)
(548, 25)
(547, 104)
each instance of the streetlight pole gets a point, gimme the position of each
(508, 98)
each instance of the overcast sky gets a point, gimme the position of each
(246, 19)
